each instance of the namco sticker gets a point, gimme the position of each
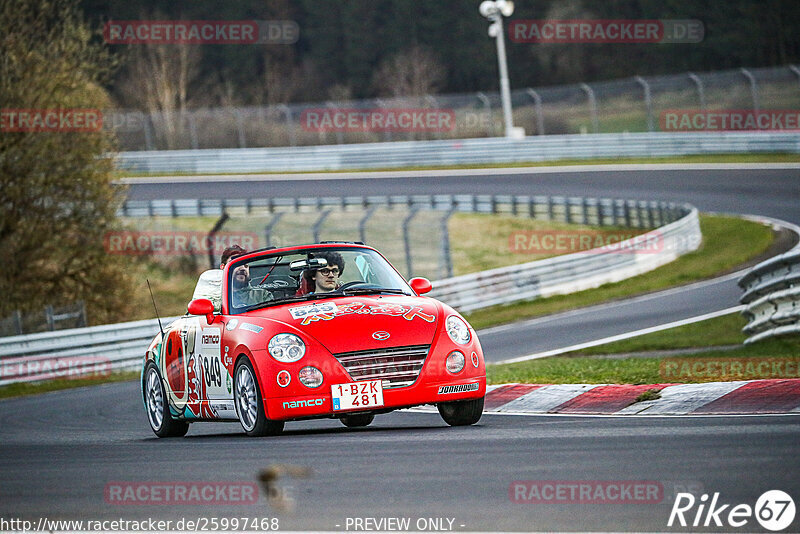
(209, 338)
(284, 378)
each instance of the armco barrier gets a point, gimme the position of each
(571, 272)
(32, 357)
(457, 152)
(76, 351)
(772, 296)
(577, 210)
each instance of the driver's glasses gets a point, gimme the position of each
(329, 271)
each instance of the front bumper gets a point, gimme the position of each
(321, 404)
(433, 385)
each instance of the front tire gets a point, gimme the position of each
(249, 403)
(461, 413)
(161, 420)
(357, 420)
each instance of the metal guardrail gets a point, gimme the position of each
(772, 296)
(457, 152)
(120, 347)
(76, 352)
(571, 272)
(578, 210)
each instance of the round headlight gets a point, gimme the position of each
(310, 377)
(457, 329)
(286, 348)
(455, 362)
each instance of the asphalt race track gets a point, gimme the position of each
(604, 320)
(773, 192)
(60, 450)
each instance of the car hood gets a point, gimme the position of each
(349, 324)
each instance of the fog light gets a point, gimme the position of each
(455, 362)
(310, 377)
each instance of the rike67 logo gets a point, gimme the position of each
(774, 510)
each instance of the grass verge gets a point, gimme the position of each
(727, 243)
(31, 388)
(725, 330)
(594, 370)
(587, 366)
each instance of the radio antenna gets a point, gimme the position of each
(155, 308)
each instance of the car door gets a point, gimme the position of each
(213, 372)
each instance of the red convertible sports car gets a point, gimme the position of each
(329, 330)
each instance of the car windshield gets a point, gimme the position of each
(301, 275)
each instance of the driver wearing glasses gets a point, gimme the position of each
(326, 279)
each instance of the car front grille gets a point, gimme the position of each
(396, 366)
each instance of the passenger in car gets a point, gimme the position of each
(209, 285)
(244, 294)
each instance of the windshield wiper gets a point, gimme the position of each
(365, 290)
(299, 298)
(330, 294)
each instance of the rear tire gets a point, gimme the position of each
(461, 413)
(357, 420)
(161, 420)
(249, 403)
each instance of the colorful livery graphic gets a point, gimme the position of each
(319, 331)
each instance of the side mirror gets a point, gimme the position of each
(202, 307)
(420, 285)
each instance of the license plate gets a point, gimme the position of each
(357, 395)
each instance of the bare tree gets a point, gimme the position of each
(415, 72)
(159, 79)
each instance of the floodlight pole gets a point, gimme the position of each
(494, 10)
(505, 89)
